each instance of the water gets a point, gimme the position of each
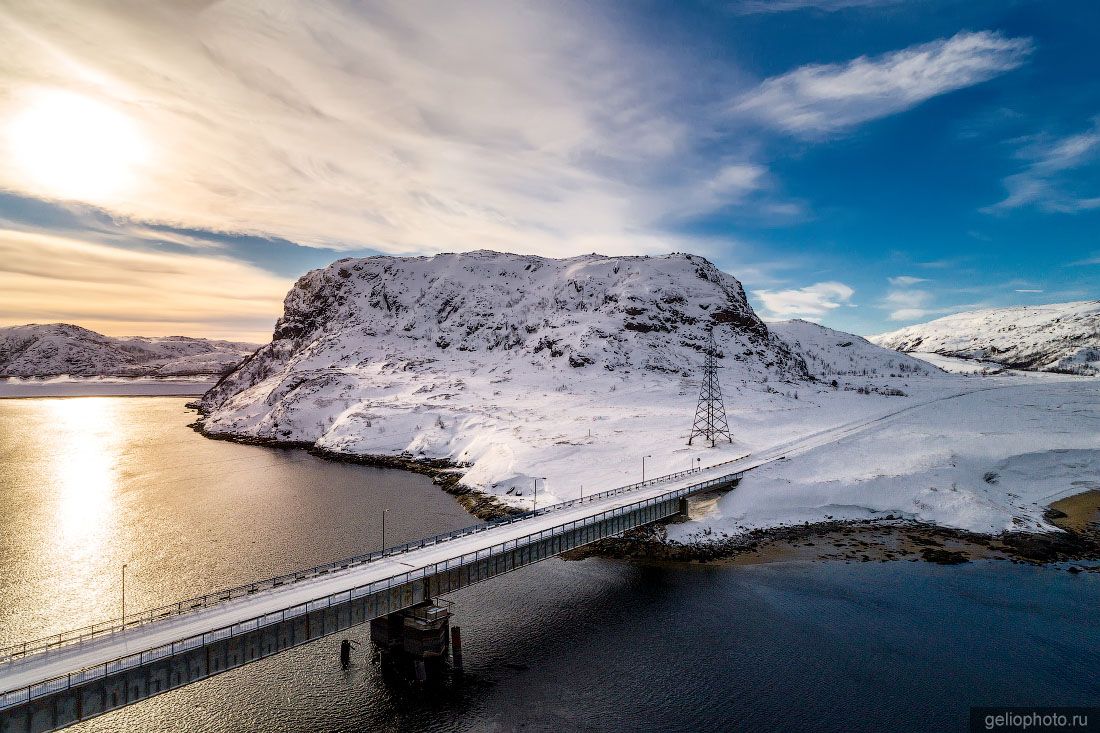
(88, 484)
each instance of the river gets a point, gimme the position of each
(90, 484)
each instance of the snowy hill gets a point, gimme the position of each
(63, 349)
(521, 367)
(1062, 337)
(831, 354)
(495, 313)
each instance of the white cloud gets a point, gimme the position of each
(910, 314)
(1028, 290)
(824, 98)
(404, 127)
(902, 281)
(1046, 181)
(124, 292)
(908, 298)
(811, 302)
(908, 304)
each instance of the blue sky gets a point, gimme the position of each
(864, 163)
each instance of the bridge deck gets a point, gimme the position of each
(52, 663)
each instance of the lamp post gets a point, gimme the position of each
(536, 502)
(384, 529)
(643, 467)
(124, 594)
(697, 462)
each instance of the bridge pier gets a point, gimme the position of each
(698, 506)
(414, 641)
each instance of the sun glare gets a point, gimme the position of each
(74, 147)
(86, 477)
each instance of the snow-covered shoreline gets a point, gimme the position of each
(990, 461)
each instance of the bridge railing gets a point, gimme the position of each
(88, 674)
(75, 636)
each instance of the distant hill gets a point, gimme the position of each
(1061, 337)
(831, 354)
(55, 349)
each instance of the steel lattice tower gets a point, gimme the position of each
(710, 414)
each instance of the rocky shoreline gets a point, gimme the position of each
(877, 541)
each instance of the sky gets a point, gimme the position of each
(172, 168)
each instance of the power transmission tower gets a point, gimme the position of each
(710, 414)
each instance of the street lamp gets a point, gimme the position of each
(384, 529)
(697, 462)
(536, 480)
(124, 595)
(643, 467)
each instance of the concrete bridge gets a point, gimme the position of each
(54, 682)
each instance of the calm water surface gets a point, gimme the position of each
(89, 484)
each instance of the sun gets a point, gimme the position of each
(70, 146)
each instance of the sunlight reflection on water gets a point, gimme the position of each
(85, 476)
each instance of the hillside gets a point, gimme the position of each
(57, 349)
(1061, 337)
(832, 354)
(521, 367)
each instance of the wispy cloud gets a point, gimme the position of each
(908, 305)
(1049, 182)
(825, 98)
(903, 281)
(119, 291)
(811, 302)
(404, 127)
(1028, 290)
(1086, 262)
(751, 7)
(904, 301)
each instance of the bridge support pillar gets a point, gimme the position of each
(698, 506)
(414, 642)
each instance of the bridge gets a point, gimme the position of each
(59, 680)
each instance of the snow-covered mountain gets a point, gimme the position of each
(1063, 337)
(46, 350)
(522, 367)
(503, 313)
(832, 354)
